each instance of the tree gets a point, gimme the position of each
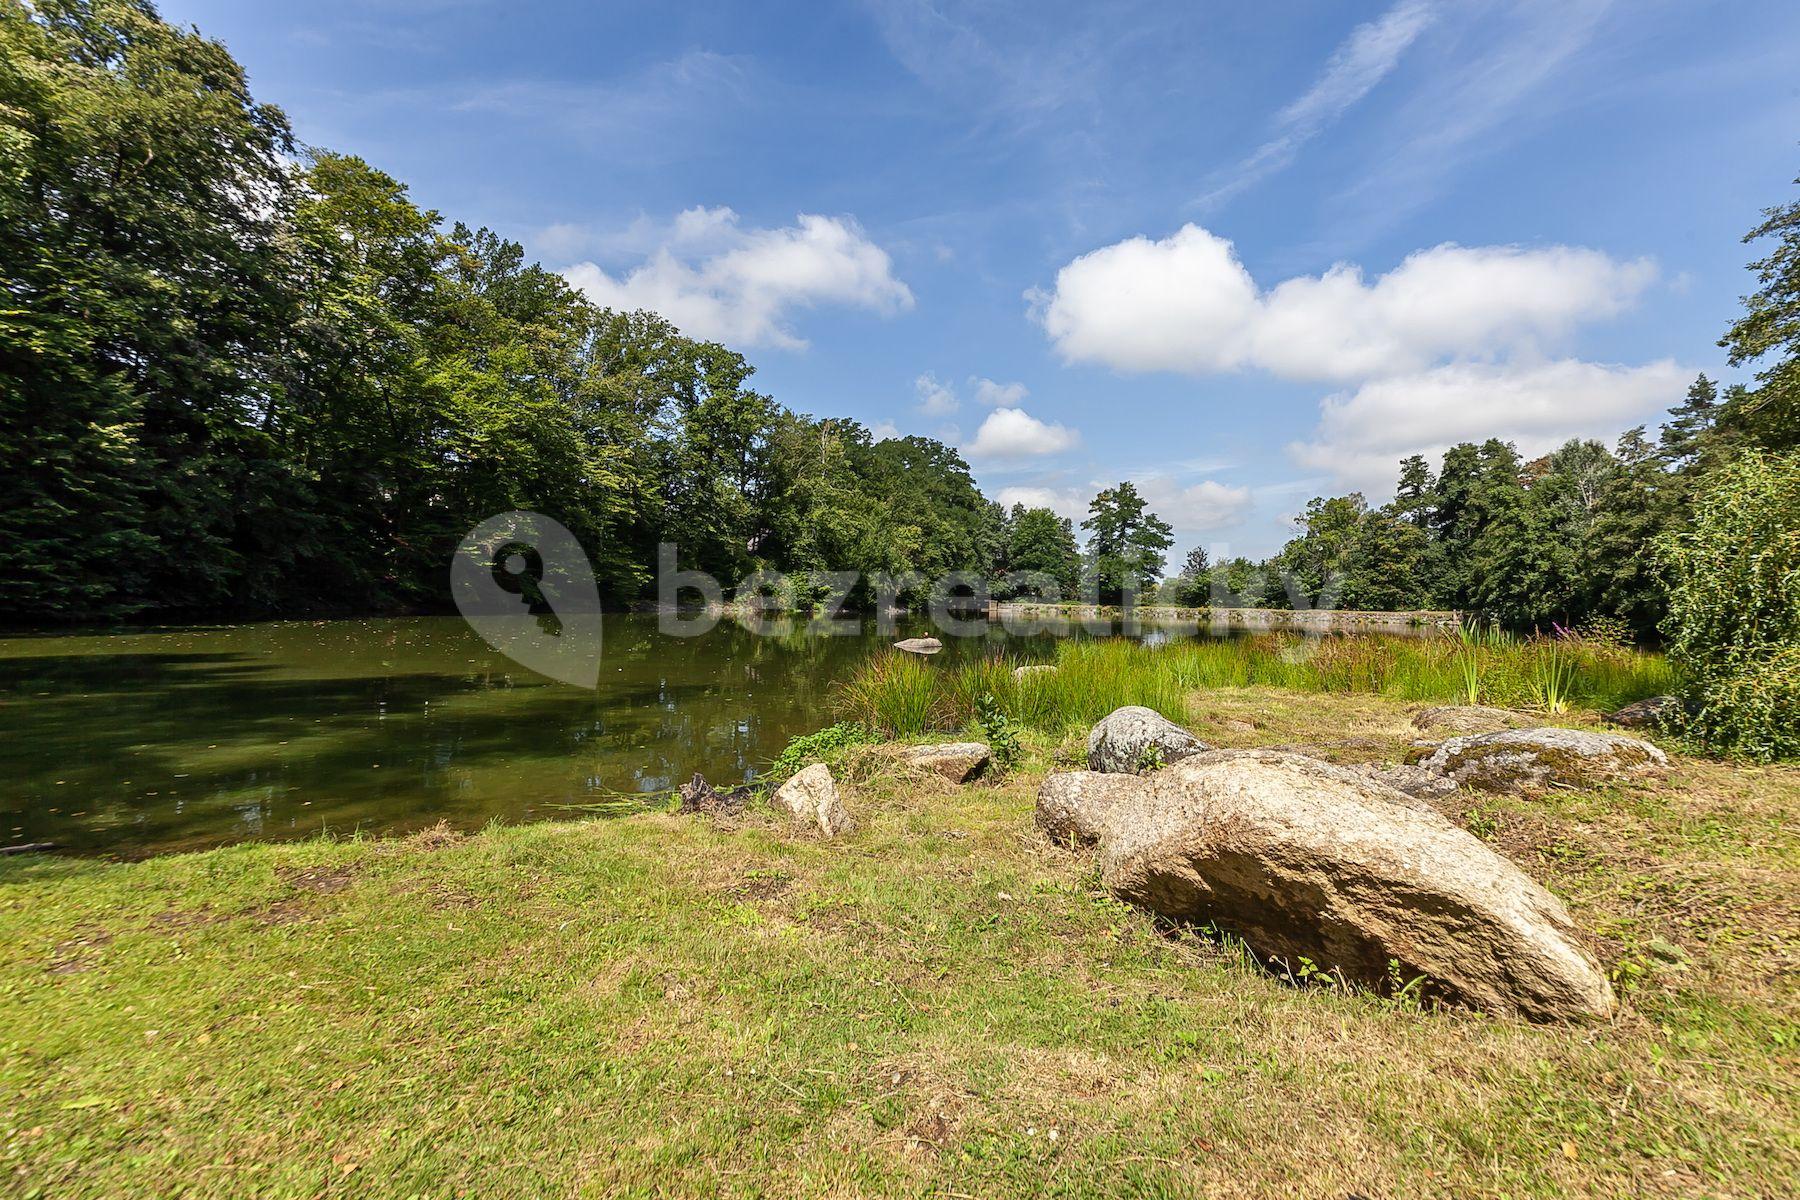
(1689, 424)
(1126, 543)
(1193, 584)
(1043, 544)
(1769, 333)
(141, 195)
(1413, 495)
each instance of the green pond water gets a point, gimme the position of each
(149, 741)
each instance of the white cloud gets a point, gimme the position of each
(717, 280)
(1193, 509)
(1362, 435)
(999, 395)
(1365, 58)
(1203, 507)
(1186, 303)
(1064, 502)
(1015, 433)
(936, 398)
(1522, 61)
(881, 431)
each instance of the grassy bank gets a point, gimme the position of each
(940, 1005)
(902, 694)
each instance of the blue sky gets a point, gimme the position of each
(1241, 254)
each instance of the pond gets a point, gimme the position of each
(148, 741)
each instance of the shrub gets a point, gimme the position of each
(813, 747)
(1001, 734)
(1734, 607)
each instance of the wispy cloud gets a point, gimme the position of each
(1473, 104)
(1363, 60)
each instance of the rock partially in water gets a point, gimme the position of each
(1518, 759)
(1133, 738)
(810, 797)
(1646, 714)
(1305, 860)
(1470, 719)
(958, 762)
(919, 645)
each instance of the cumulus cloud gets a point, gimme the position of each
(882, 431)
(1015, 433)
(936, 398)
(999, 395)
(718, 280)
(1363, 434)
(1193, 509)
(1204, 507)
(1064, 502)
(1186, 303)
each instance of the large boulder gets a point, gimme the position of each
(810, 798)
(1470, 718)
(958, 762)
(1302, 859)
(1410, 780)
(1646, 714)
(919, 645)
(1519, 759)
(1129, 739)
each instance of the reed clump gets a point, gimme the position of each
(900, 695)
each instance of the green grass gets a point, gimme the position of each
(904, 695)
(659, 1006)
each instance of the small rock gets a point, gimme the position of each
(1646, 714)
(1471, 718)
(919, 645)
(1129, 739)
(810, 797)
(1023, 673)
(1545, 757)
(958, 762)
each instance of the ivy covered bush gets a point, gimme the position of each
(1734, 607)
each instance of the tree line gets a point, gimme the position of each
(242, 375)
(1584, 532)
(1557, 540)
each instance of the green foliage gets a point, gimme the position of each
(1554, 674)
(238, 383)
(1041, 550)
(1734, 607)
(814, 747)
(1768, 334)
(901, 695)
(1001, 734)
(1127, 543)
(896, 695)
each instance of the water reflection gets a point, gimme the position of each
(155, 740)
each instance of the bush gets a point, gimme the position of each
(1734, 607)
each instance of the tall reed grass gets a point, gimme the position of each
(901, 695)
